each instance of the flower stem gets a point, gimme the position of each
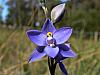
(52, 65)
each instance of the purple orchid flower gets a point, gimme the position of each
(51, 42)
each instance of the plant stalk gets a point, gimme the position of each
(52, 65)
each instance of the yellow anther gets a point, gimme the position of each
(49, 34)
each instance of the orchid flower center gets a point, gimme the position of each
(49, 34)
(50, 40)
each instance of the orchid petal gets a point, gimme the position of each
(68, 53)
(48, 27)
(62, 35)
(37, 37)
(36, 56)
(52, 52)
(63, 47)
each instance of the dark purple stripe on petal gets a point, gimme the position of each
(59, 57)
(63, 47)
(40, 48)
(35, 32)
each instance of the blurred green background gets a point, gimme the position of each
(15, 47)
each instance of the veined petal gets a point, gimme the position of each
(69, 53)
(48, 27)
(62, 35)
(52, 52)
(64, 47)
(37, 37)
(36, 56)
